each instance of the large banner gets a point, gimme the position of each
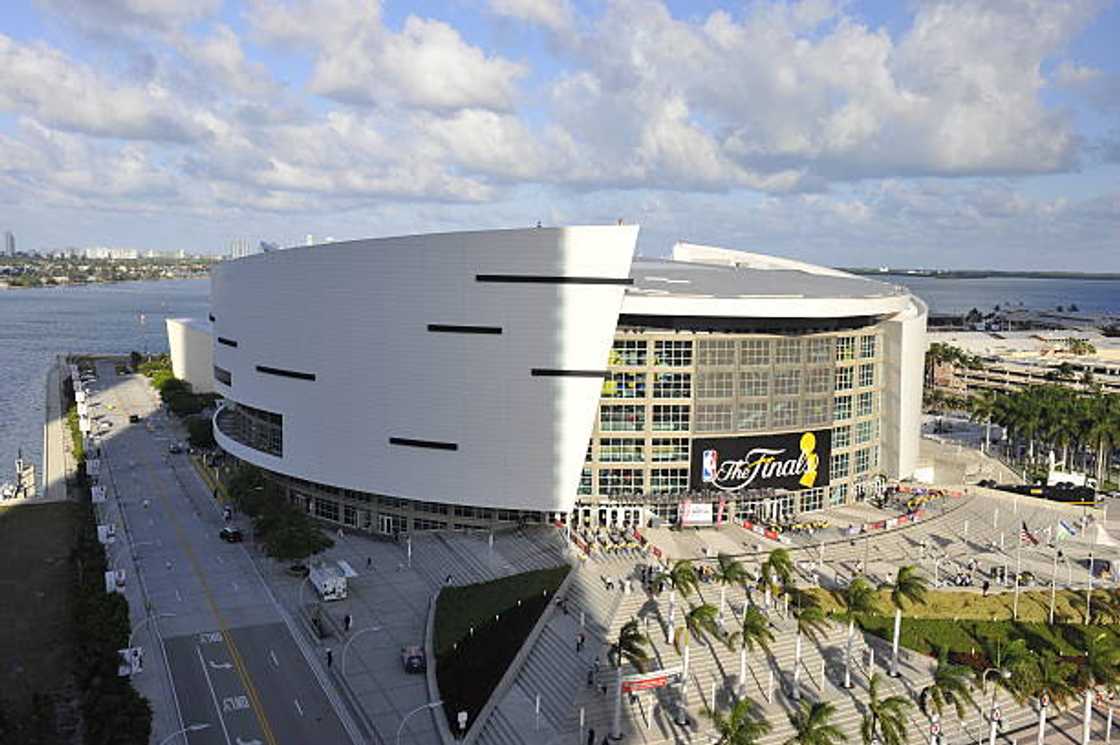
(792, 460)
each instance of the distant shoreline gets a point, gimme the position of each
(63, 285)
(982, 274)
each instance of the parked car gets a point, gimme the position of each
(231, 535)
(412, 657)
(133, 418)
(175, 448)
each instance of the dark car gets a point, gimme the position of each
(231, 535)
(412, 657)
(133, 418)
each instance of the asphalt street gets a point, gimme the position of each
(234, 663)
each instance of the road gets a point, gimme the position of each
(233, 660)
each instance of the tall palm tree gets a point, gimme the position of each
(631, 647)
(778, 568)
(951, 685)
(858, 599)
(729, 571)
(909, 586)
(1050, 682)
(743, 725)
(682, 578)
(885, 719)
(811, 623)
(699, 622)
(1101, 669)
(982, 407)
(755, 634)
(812, 725)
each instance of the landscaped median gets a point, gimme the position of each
(479, 630)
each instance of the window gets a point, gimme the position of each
(753, 415)
(816, 411)
(818, 380)
(839, 494)
(754, 352)
(670, 418)
(256, 428)
(865, 431)
(672, 353)
(845, 348)
(622, 417)
(867, 346)
(715, 385)
(587, 455)
(222, 376)
(672, 385)
(812, 500)
(843, 379)
(669, 449)
(350, 515)
(841, 437)
(326, 509)
(865, 403)
(867, 375)
(787, 352)
(818, 349)
(715, 352)
(621, 450)
(786, 413)
(787, 382)
(874, 453)
(668, 480)
(625, 385)
(714, 417)
(839, 466)
(841, 408)
(419, 523)
(754, 383)
(615, 481)
(584, 482)
(863, 460)
(628, 353)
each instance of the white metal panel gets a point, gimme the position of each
(192, 357)
(905, 346)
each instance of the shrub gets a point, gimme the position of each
(200, 432)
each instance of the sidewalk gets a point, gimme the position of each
(58, 463)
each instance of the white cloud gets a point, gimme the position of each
(115, 16)
(556, 15)
(1070, 74)
(221, 58)
(359, 61)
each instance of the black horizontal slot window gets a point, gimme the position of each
(222, 376)
(450, 328)
(285, 373)
(227, 342)
(212, 319)
(429, 444)
(536, 279)
(543, 372)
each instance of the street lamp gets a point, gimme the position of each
(1006, 675)
(350, 641)
(143, 621)
(197, 727)
(429, 705)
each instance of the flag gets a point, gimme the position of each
(1065, 530)
(1025, 535)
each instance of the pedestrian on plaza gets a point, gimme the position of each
(596, 664)
(985, 587)
(348, 621)
(590, 677)
(369, 562)
(330, 657)
(591, 736)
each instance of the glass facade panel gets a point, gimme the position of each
(615, 481)
(715, 417)
(754, 383)
(841, 408)
(672, 385)
(787, 382)
(622, 417)
(867, 346)
(818, 380)
(621, 450)
(628, 353)
(715, 352)
(867, 375)
(754, 352)
(670, 418)
(787, 351)
(845, 348)
(672, 353)
(841, 437)
(668, 480)
(715, 384)
(753, 415)
(787, 413)
(843, 379)
(669, 449)
(625, 385)
(818, 350)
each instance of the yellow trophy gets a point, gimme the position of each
(812, 460)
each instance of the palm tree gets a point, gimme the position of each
(700, 621)
(729, 571)
(1101, 669)
(858, 599)
(908, 587)
(682, 578)
(885, 719)
(811, 623)
(982, 408)
(755, 633)
(630, 647)
(1050, 682)
(743, 725)
(777, 567)
(812, 725)
(950, 685)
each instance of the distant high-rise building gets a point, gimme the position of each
(9, 243)
(240, 248)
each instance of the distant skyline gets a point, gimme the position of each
(927, 133)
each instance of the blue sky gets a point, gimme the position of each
(938, 133)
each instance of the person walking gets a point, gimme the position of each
(591, 736)
(348, 621)
(369, 562)
(330, 657)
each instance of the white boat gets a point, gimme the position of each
(24, 487)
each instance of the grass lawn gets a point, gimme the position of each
(501, 614)
(35, 615)
(1034, 605)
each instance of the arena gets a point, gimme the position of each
(465, 380)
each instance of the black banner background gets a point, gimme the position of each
(739, 448)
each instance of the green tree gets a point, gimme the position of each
(699, 622)
(294, 537)
(682, 578)
(753, 634)
(778, 567)
(200, 432)
(812, 725)
(1100, 669)
(1051, 683)
(729, 572)
(743, 725)
(909, 586)
(951, 685)
(631, 646)
(885, 718)
(858, 599)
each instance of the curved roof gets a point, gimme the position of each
(710, 281)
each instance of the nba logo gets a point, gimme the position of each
(711, 465)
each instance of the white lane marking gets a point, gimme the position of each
(272, 656)
(213, 695)
(221, 665)
(248, 742)
(298, 707)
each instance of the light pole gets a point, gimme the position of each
(1006, 675)
(429, 705)
(143, 621)
(197, 727)
(1054, 584)
(350, 641)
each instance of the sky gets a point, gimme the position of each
(917, 133)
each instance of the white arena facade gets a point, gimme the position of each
(546, 375)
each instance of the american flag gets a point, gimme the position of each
(1025, 535)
